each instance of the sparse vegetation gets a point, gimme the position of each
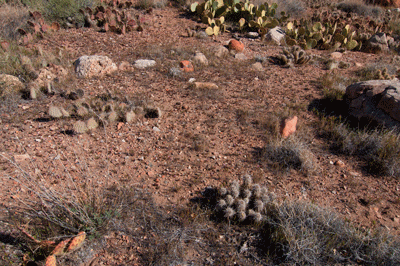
(140, 189)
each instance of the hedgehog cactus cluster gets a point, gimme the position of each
(245, 202)
(293, 55)
(102, 110)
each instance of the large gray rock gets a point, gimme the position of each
(94, 66)
(377, 43)
(377, 100)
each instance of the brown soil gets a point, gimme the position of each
(206, 138)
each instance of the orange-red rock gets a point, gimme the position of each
(236, 46)
(288, 126)
(186, 66)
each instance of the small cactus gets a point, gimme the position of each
(223, 191)
(55, 112)
(229, 213)
(80, 127)
(91, 124)
(82, 111)
(256, 191)
(221, 204)
(112, 117)
(229, 200)
(247, 181)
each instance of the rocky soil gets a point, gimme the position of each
(202, 137)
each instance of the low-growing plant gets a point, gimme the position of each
(378, 148)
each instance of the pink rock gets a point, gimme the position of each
(288, 126)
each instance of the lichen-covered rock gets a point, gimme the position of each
(376, 100)
(94, 66)
(9, 84)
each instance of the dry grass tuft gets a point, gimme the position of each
(12, 17)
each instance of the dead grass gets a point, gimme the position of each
(378, 148)
(12, 17)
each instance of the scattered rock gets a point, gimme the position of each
(377, 43)
(236, 46)
(339, 163)
(144, 63)
(376, 100)
(21, 157)
(202, 35)
(275, 35)
(205, 85)
(186, 66)
(240, 56)
(175, 72)
(221, 51)
(257, 66)
(200, 59)
(252, 35)
(125, 66)
(94, 65)
(288, 126)
(336, 55)
(9, 84)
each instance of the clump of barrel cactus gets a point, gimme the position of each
(244, 202)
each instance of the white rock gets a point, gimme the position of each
(144, 63)
(276, 35)
(94, 65)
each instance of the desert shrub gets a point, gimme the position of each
(145, 4)
(290, 153)
(359, 7)
(291, 7)
(306, 234)
(60, 10)
(75, 206)
(12, 17)
(379, 148)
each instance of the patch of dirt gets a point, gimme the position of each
(205, 138)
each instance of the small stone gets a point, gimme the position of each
(235, 45)
(144, 63)
(201, 35)
(288, 126)
(221, 51)
(240, 56)
(257, 66)
(339, 163)
(175, 72)
(205, 85)
(186, 66)
(336, 55)
(200, 59)
(156, 129)
(252, 35)
(191, 80)
(125, 66)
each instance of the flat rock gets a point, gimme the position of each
(94, 66)
(144, 63)
(221, 51)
